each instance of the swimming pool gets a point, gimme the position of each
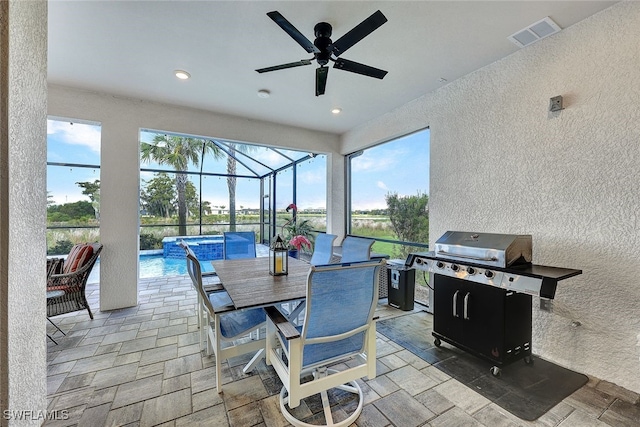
(155, 265)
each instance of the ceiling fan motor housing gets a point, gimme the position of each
(325, 50)
(322, 31)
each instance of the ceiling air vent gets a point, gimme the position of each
(534, 32)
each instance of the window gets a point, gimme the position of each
(198, 185)
(388, 199)
(388, 196)
(73, 184)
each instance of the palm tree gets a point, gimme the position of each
(178, 152)
(231, 185)
(231, 178)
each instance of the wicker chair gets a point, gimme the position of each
(66, 280)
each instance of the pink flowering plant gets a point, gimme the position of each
(297, 233)
(300, 242)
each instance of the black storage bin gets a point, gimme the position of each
(401, 285)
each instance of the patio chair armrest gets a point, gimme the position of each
(286, 328)
(64, 281)
(54, 266)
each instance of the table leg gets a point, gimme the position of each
(254, 361)
(50, 321)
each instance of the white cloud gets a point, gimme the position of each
(312, 177)
(382, 185)
(370, 162)
(76, 133)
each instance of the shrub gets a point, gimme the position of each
(149, 241)
(61, 247)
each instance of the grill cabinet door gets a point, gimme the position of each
(484, 320)
(484, 323)
(447, 307)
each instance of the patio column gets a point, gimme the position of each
(23, 125)
(336, 190)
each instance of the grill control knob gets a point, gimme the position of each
(471, 270)
(454, 267)
(440, 264)
(489, 274)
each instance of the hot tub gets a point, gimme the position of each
(206, 248)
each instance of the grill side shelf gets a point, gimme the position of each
(545, 271)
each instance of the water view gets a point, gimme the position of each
(156, 266)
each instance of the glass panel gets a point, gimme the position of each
(283, 198)
(233, 159)
(228, 184)
(389, 187)
(255, 159)
(312, 192)
(73, 184)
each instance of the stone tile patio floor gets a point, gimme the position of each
(142, 366)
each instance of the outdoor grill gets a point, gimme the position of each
(482, 289)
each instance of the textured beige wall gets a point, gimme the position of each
(23, 361)
(500, 162)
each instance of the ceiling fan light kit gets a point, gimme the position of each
(325, 50)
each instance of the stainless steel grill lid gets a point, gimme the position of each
(490, 249)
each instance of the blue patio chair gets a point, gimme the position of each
(356, 249)
(239, 244)
(322, 254)
(322, 249)
(338, 330)
(224, 324)
(212, 283)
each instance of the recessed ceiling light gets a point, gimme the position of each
(182, 75)
(336, 110)
(264, 93)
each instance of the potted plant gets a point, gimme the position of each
(297, 234)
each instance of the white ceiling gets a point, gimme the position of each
(131, 48)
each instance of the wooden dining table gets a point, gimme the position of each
(249, 284)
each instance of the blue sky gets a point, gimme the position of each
(401, 166)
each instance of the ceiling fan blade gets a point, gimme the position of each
(321, 80)
(359, 32)
(355, 67)
(293, 32)
(284, 66)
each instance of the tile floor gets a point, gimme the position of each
(142, 366)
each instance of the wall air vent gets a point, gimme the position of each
(534, 32)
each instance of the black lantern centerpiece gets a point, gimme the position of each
(278, 258)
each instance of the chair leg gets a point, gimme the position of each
(351, 386)
(218, 356)
(88, 309)
(254, 361)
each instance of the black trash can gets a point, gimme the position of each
(401, 283)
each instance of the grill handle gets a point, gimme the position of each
(455, 304)
(465, 309)
(468, 256)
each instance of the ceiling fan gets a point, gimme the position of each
(324, 50)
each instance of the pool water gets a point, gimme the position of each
(157, 265)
